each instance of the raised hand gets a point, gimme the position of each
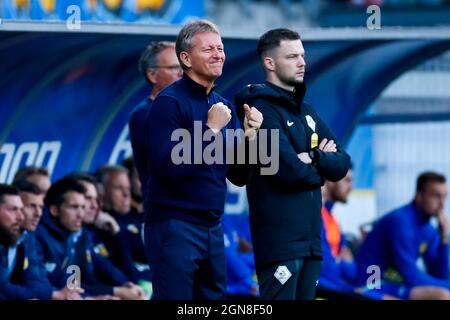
(218, 117)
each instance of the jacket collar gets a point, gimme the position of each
(421, 217)
(195, 88)
(292, 99)
(53, 226)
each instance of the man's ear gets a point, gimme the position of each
(53, 210)
(151, 75)
(186, 59)
(269, 63)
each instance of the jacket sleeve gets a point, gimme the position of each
(239, 171)
(124, 259)
(37, 276)
(31, 286)
(437, 258)
(403, 246)
(287, 167)
(238, 174)
(106, 271)
(11, 291)
(97, 289)
(332, 166)
(23, 291)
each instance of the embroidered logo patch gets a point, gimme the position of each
(311, 122)
(101, 250)
(133, 229)
(50, 266)
(282, 274)
(423, 247)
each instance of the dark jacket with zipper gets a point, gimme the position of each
(58, 253)
(285, 208)
(27, 279)
(193, 192)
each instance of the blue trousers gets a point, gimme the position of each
(187, 260)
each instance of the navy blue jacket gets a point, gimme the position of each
(105, 270)
(191, 192)
(138, 141)
(395, 244)
(126, 248)
(58, 253)
(285, 208)
(26, 280)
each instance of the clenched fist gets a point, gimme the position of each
(252, 121)
(218, 117)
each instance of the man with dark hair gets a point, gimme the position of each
(64, 246)
(406, 237)
(11, 218)
(11, 214)
(284, 208)
(107, 272)
(29, 278)
(60, 228)
(93, 215)
(160, 67)
(427, 177)
(37, 175)
(338, 269)
(183, 233)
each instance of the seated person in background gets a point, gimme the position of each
(21, 271)
(405, 237)
(63, 243)
(241, 273)
(107, 272)
(338, 268)
(127, 247)
(36, 175)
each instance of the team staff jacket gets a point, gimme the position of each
(396, 243)
(193, 191)
(27, 279)
(285, 207)
(127, 248)
(59, 250)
